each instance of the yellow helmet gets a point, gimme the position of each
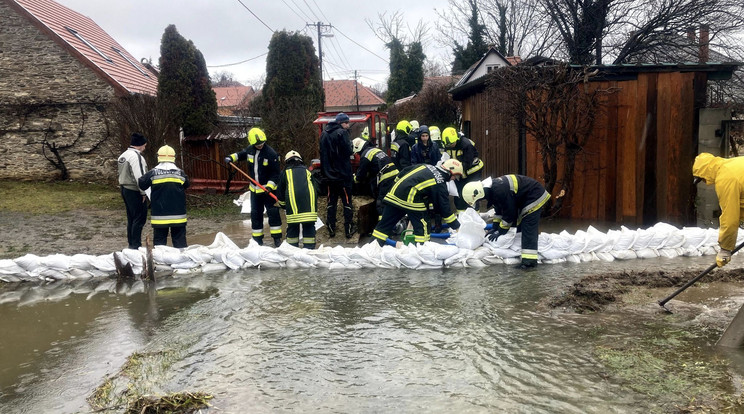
(472, 192)
(292, 154)
(450, 137)
(256, 136)
(358, 143)
(166, 153)
(365, 133)
(454, 167)
(434, 133)
(404, 126)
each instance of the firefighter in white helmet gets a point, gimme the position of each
(415, 186)
(377, 167)
(299, 197)
(516, 200)
(463, 150)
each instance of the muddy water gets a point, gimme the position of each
(349, 341)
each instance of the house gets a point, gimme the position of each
(349, 95)
(59, 72)
(233, 100)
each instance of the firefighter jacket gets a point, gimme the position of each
(727, 175)
(400, 151)
(513, 197)
(417, 186)
(298, 195)
(263, 166)
(168, 204)
(336, 153)
(426, 154)
(374, 162)
(132, 166)
(465, 152)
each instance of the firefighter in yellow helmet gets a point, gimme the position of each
(400, 149)
(727, 175)
(463, 150)
(413, 189)
(168, 201)
(298, 196)
(263, 166)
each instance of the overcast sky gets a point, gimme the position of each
(226, 32)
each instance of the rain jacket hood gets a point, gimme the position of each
(706, 166)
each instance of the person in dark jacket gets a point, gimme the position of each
(463, 150)
(168, 201)
(132, 166)
(297, 195)
(377, 167)
(263, 167)
(414, 187)
(516, 200)
(425, 151)
(335, 165)
(400, 149)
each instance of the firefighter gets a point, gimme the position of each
(298, 196)
(169, 184)
(463, 150)
(263, 166)
(414, 187)
(400, 149)
(335, 165)
(727, 175)
(376, 166)
(516, 200)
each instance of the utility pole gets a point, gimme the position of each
(356, 90)
(320, 25)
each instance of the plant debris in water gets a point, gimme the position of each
(593, 293)
(183, 402)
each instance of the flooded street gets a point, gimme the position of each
(451, 340)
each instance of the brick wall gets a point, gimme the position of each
(47, 95)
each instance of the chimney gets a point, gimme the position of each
(691, 34)
(704, 39)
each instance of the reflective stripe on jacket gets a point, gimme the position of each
(168, 203)
(297, 194)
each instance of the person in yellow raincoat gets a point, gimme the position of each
(727, 174)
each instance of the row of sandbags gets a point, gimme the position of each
(467, 248)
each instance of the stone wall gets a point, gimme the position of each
(49, 98)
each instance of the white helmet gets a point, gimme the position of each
(472, 192)
(292, 154)
(454, 167)
(358, 144)
(434, 133)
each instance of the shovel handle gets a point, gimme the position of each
(254, 181)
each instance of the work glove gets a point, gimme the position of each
(493, 235)
(723, 257)
(228, 160)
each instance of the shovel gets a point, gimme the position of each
(691, 282)
(254, 181)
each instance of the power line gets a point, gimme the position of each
(304, 19)
(238, 63)
(254, 15)
(353, 41)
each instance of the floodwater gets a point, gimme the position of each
(264, 341)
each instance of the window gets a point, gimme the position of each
(90, 45)
(490, 68)
(132, 63)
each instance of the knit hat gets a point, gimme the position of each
(166, 153)
(137, 140)
(342, 118)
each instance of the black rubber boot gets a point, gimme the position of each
(350, 230)
(277, 241)
(331, 231)
(527, 264)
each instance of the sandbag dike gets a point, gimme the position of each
(468, 248)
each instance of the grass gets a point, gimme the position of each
(49, 198)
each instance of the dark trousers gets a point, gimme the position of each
(336, 190)
(259, 203)
(382, 189)
(178, 236)
(392, 215)
(308, 234)
(136, 216)
(460, 204)
(528, 226)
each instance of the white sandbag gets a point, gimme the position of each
(9, 278)
(444, 251)
(475, 263)
(388, 256)
(427, 253)
(694, 237)
(493, 260)
(512, 261)
(554, 261)
(269, 254)
(598, 241)
(10, 267)
(407, 257)
(710, 250)
(197, 253)
(221, 241)
(481, 252)
(592, 256)
(185, 265)
(49, 274)
(471, 233)
(132, 256)
(578, 243)
(623, 254)
(251, 254)
(461, 256)
(304, 259)
(668, 252)
(29, 262)
(676, 239)
(232, 259)
(647, 253)
(81, 261)
(336, 266)
(59, 262)
(104, 262)
(604, 256)
(213, 267)
(287, 250)
(573, 258)
(502, 252)
(338, 255)
(79, 274)
(642, 240)
(168, 255)
(691, 252)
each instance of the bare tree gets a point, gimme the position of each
(147, 115)
(223, 79)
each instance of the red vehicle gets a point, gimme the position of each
(373, 122)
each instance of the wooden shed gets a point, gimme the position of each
(636, 168)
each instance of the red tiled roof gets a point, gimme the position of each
(121, 70)
(514, 60)
(343, 93)
(232, 96)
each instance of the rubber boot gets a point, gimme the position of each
(527, 264)
(350, 230)
(331, 230)
(277, 241)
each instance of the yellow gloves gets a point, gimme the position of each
(723, 257)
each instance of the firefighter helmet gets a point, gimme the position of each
(454, 167)
(166, 153)
(358, 144)
(472, 192)
(256, 136)
(365, 133)
(450, 137)
(404, 126)
(434, 133)
(292, 154)
(414, 124)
